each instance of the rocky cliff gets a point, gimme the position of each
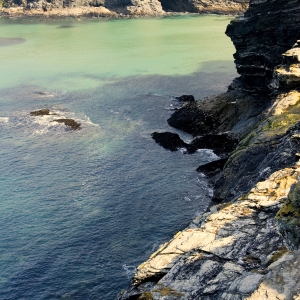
(245, 247)
(116, 8)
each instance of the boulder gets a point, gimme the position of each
(69, 122)
(168, 140)
(41, 112)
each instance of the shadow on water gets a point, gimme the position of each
(10, 41)
(211, 78)
(104, 212)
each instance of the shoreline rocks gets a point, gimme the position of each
(70, 123)
(117, 9)
(246, 247)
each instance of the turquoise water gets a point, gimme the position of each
(81, 209)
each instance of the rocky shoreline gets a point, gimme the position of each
(246, 245)
(117, 9)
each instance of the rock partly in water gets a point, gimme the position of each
(213, 168)
(41, 112)
(221, 144)
(225, 253)
(168, 140)
(234, 111)
(72, 124)
(186, 98)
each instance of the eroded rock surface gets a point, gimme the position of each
(70, 123)
(245, 247)
(225, 253)
(261, 36)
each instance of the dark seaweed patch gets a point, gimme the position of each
(10, 41)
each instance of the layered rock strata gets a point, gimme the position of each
(261, 36)
(227, 252)
(247, 246)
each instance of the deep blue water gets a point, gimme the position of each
(81, 209)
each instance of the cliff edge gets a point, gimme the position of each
(246, 246)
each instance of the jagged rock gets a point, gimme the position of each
(282, 281)
(221, 144)
(227, 255)
(265, 149)
(233, 111)
(287, 75)
(41, 112)
(168, 140)
(261, 36)
(69, 122)
(213, 168)
(186, 98)
(239, 250)
(289, 218)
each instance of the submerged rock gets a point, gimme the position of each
(41, 112)
(69, 122)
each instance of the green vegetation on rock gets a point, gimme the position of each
(146, 296)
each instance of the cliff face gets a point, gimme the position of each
(245, 247)
(261, 36)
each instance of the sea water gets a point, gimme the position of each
(80, 210)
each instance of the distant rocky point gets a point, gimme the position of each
(117, 8)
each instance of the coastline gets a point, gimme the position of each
(245, 246)
(89, 12)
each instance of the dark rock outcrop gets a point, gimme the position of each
(168, 140)
(221, 144)
(213, 168)
(72, 124)
(41, 112)
(244, 247)
(186, 98)
(234, 111)
(261, 36)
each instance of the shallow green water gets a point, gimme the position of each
(81, 209)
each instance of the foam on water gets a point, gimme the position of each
(4, 119)
(80, 210)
